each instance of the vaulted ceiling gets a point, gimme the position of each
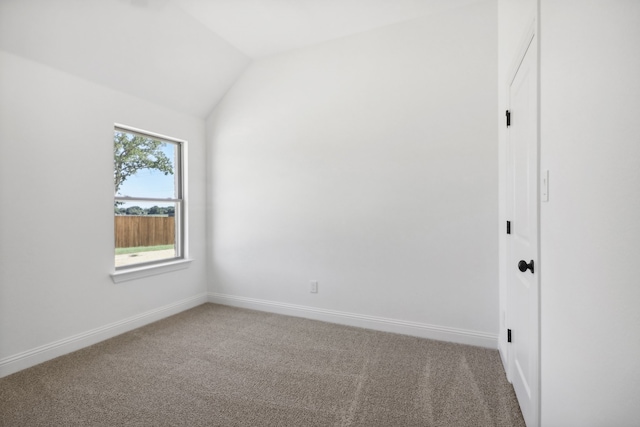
(184, 54)
(263, 27)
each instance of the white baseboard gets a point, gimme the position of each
(404, 327)
(503, 351)
(29, 358)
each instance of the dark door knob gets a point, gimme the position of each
(523, 266)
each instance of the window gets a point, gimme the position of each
(148, 202)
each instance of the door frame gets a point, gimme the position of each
(530, 38)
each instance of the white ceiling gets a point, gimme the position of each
(184, 54)
(151, 49)
(263, 27)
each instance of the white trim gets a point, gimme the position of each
(502, 351)
(422, 330)
(146, 133)
(149, 270)
(184, 220)
(29, 358)
(182, 215)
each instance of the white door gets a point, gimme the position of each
(522, 243)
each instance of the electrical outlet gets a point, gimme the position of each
(314, 287)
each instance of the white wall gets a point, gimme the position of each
(590, 132)
(56, 221)
(151, 49)
(368, 163)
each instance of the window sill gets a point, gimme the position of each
(149, 270)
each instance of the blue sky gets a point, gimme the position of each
(151, 183)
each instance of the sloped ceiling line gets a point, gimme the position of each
(184, 54)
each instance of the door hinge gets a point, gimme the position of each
(508, 335)
(508, 227)
(508, 114)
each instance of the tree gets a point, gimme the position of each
(155, 210)
(132, 153)
(135, 210)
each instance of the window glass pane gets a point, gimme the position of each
(145, 232)
(144, 166)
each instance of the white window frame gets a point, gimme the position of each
(181, 260)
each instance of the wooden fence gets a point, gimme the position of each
(139, 230)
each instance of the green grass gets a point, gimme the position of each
(121, 251)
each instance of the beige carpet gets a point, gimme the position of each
(222, 366)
